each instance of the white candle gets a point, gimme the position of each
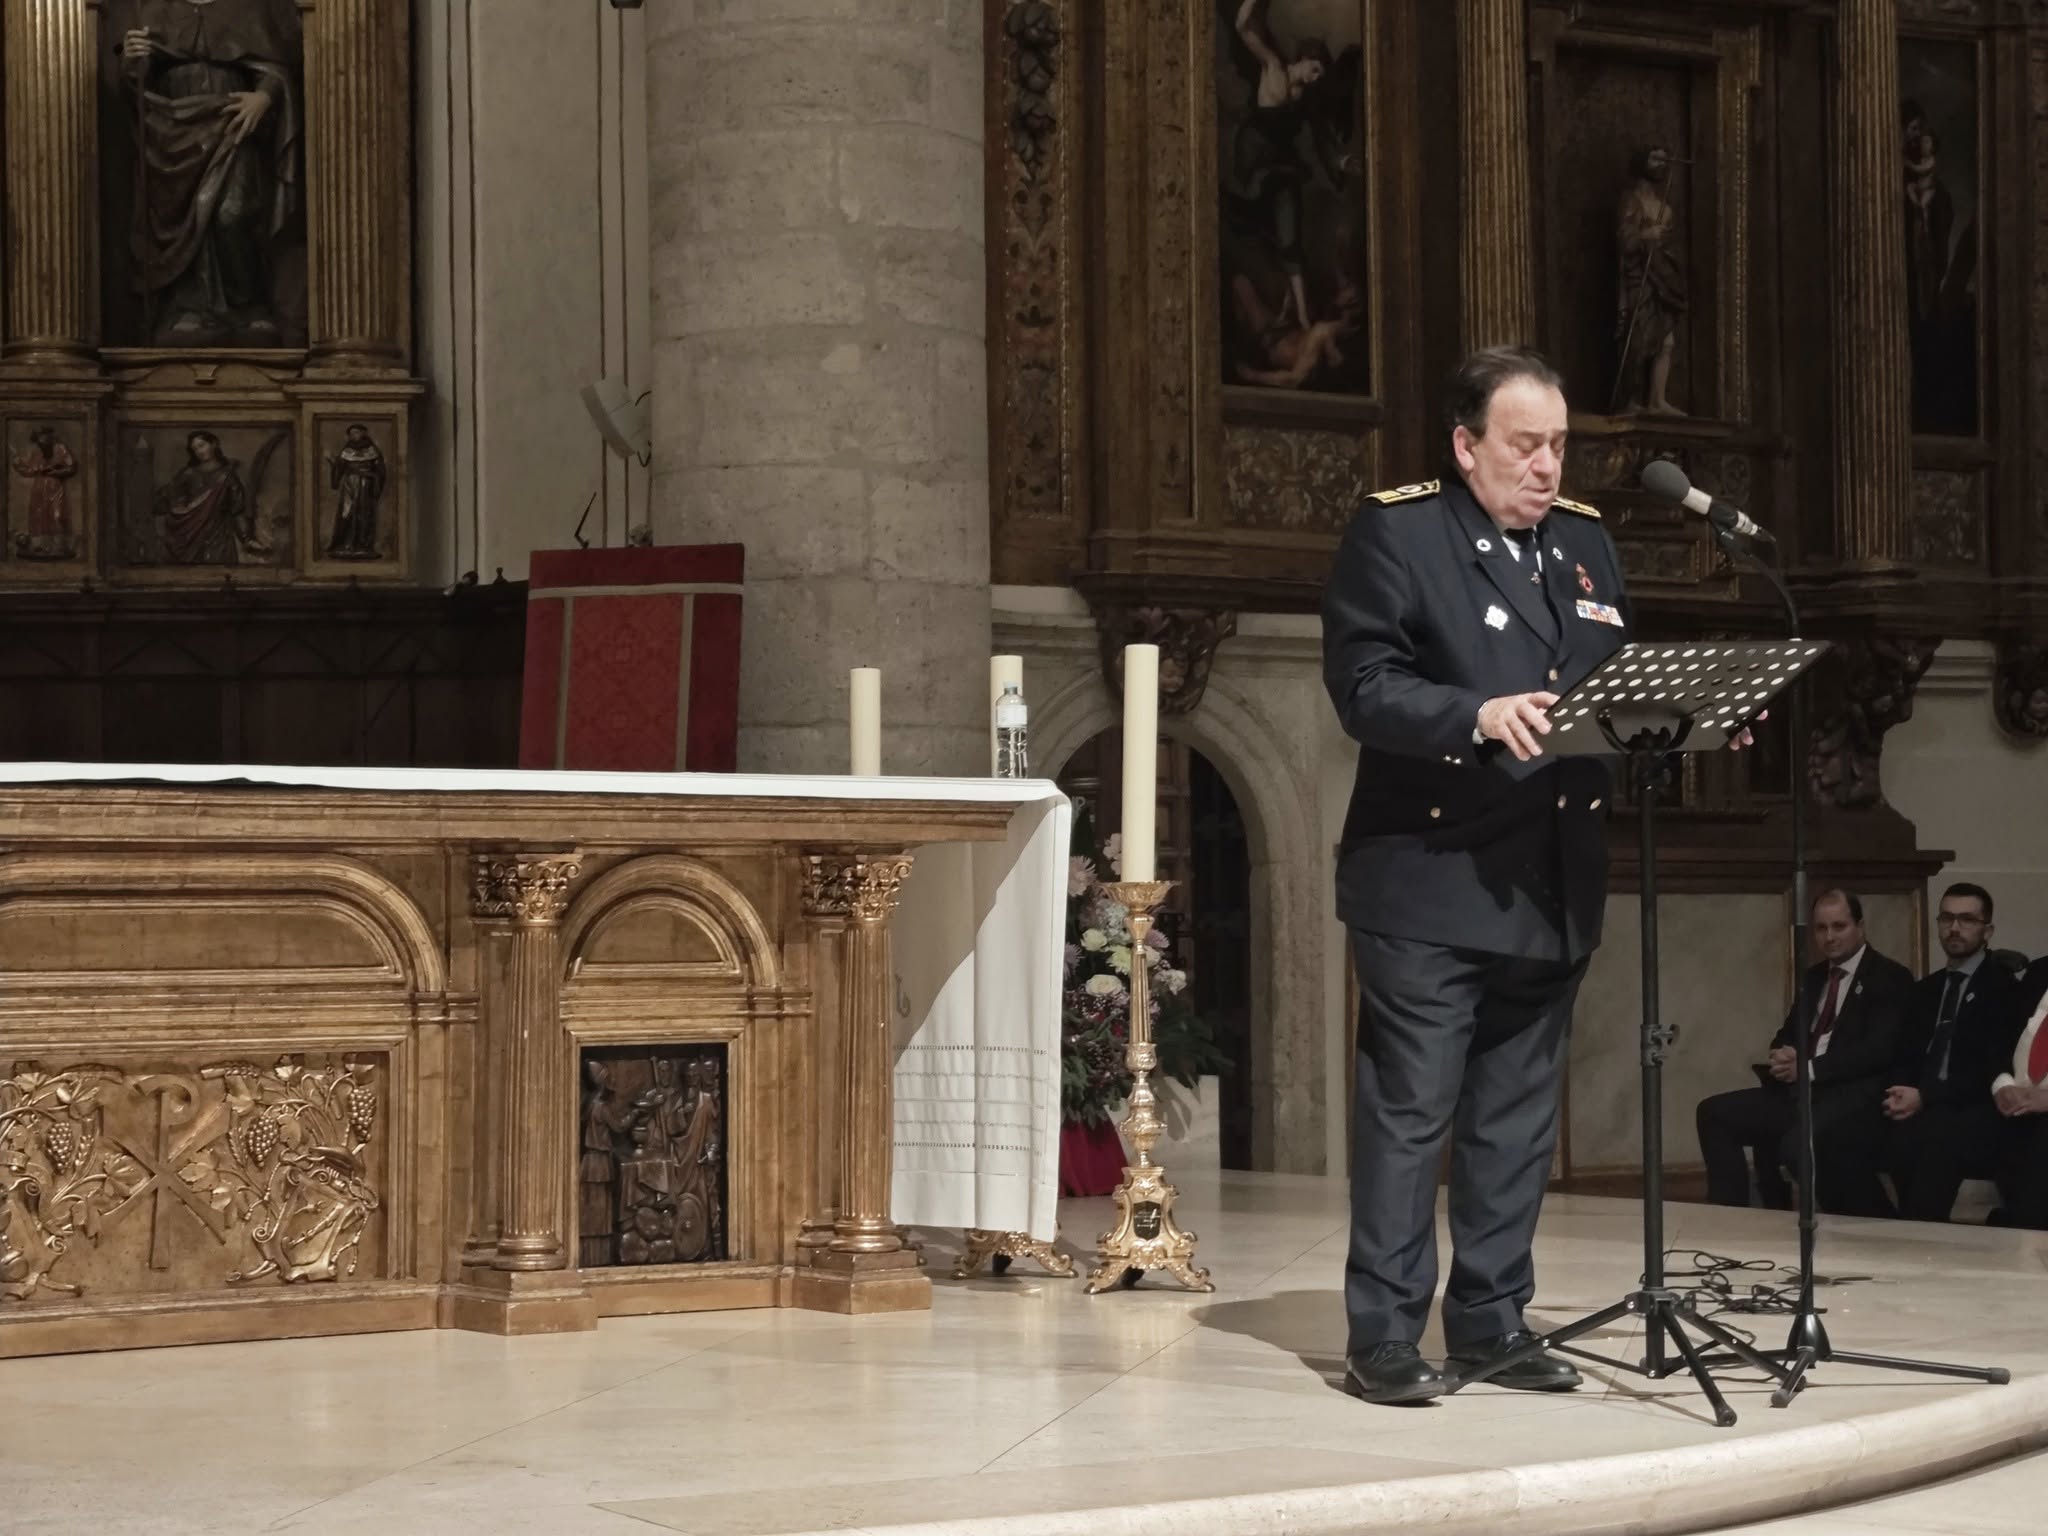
(866, 722)
(1141, 758)
(1001, 670)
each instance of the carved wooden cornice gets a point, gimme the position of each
(1187, 639)
(2019, 690)
(1870, 693)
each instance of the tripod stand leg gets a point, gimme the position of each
(1553, 1340)
(1996, 1375)
(1795, 1379)
(1747, 1353)
(1724, 1416)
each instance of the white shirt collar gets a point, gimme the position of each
(1849, 965)
(1969, 967)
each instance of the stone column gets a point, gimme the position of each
(51, 80)
(358, 184)
(1497, 279)
(820, 371)
(537, 1090)
(1873, 425)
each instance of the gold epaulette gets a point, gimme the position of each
(1416, 492)
(1579, 507)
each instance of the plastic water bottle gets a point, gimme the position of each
(1013, 722)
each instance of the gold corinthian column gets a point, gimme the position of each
(358, 174)
(536, 1086)
(51, 75)
(1873, 427)
(866, 1267)
(1496, 277)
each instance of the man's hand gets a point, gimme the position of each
(2033, 1101)
(2012, 1099)
(137, 44)
(1517, 720)
(1784, 1063)
(1743, 737)
(1901, 1103)
(245, 109)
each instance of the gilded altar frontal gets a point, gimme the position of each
(206, 378)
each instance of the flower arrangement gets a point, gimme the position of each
(1097, 999)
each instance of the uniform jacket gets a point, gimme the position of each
(1427, 616)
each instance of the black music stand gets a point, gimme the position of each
(1648, 703)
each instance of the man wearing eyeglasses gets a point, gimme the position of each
(1935, 1123)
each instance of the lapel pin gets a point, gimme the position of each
(1585, 582)
(1556, 553)
(1497, 616)
(1485, 546)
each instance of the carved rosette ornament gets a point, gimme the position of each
(1187, 639)
(1875, 694)
(856, 885)
(2020, 692)
(524, 888)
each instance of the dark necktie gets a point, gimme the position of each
(1945, 1023)
(1524, 540)
(1828, 1007)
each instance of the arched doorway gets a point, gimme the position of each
(1204, 849)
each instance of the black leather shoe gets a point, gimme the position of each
(1391, 1373)
(1540, 1372)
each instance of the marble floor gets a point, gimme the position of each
(1018, 1396)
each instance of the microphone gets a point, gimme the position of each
(1666, 481)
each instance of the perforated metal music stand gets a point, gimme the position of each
(1647, 703)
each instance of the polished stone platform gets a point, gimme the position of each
(1021, 1405)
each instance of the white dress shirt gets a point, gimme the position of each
(2017, 1077)
(1842, 991)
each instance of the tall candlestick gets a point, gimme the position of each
(1141, 759)
(1001, 670)
(865, 722)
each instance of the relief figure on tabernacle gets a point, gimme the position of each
(1652, 300)
(356, 476)
(49, 467)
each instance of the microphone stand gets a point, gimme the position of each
(1807, 1344)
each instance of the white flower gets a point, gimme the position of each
(1103, 985)
(1113, 851)
(1080, 876)
(1171, 980)
(1094, 940)
(1120, 959)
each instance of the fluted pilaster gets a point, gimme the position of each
(357, 182)
(1496, 272)
(51, 76)
(864, 890)
(538, 1083)
(1873, 426)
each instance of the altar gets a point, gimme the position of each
(305, 1051)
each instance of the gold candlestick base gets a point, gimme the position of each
(998, 1249)
(1145, 1236)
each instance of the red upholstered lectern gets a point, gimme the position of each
(633, 659)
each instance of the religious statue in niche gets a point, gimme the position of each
(209, 99)
(356, 476)
(1290, 84)
(45, 529)
(652, 1171)
(1651, 296)
(214, 508)
(1938, 124)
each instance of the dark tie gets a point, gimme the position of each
(1826, 1021)
(1945, 1023)
(1524, 540)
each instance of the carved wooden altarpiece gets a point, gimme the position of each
(205, 368)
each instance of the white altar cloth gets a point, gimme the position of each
(979, 943)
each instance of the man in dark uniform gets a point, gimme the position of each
(1473, 869)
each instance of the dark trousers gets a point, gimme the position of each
(2023, 1170)
(1764, 1122)
(1472, 1044)
(1928, 1156)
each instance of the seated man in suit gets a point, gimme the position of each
(1853, 997)
(1935, 1124)
(2021, 1097)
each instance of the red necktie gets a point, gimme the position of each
(2037, 1058)
(1826, 1021)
